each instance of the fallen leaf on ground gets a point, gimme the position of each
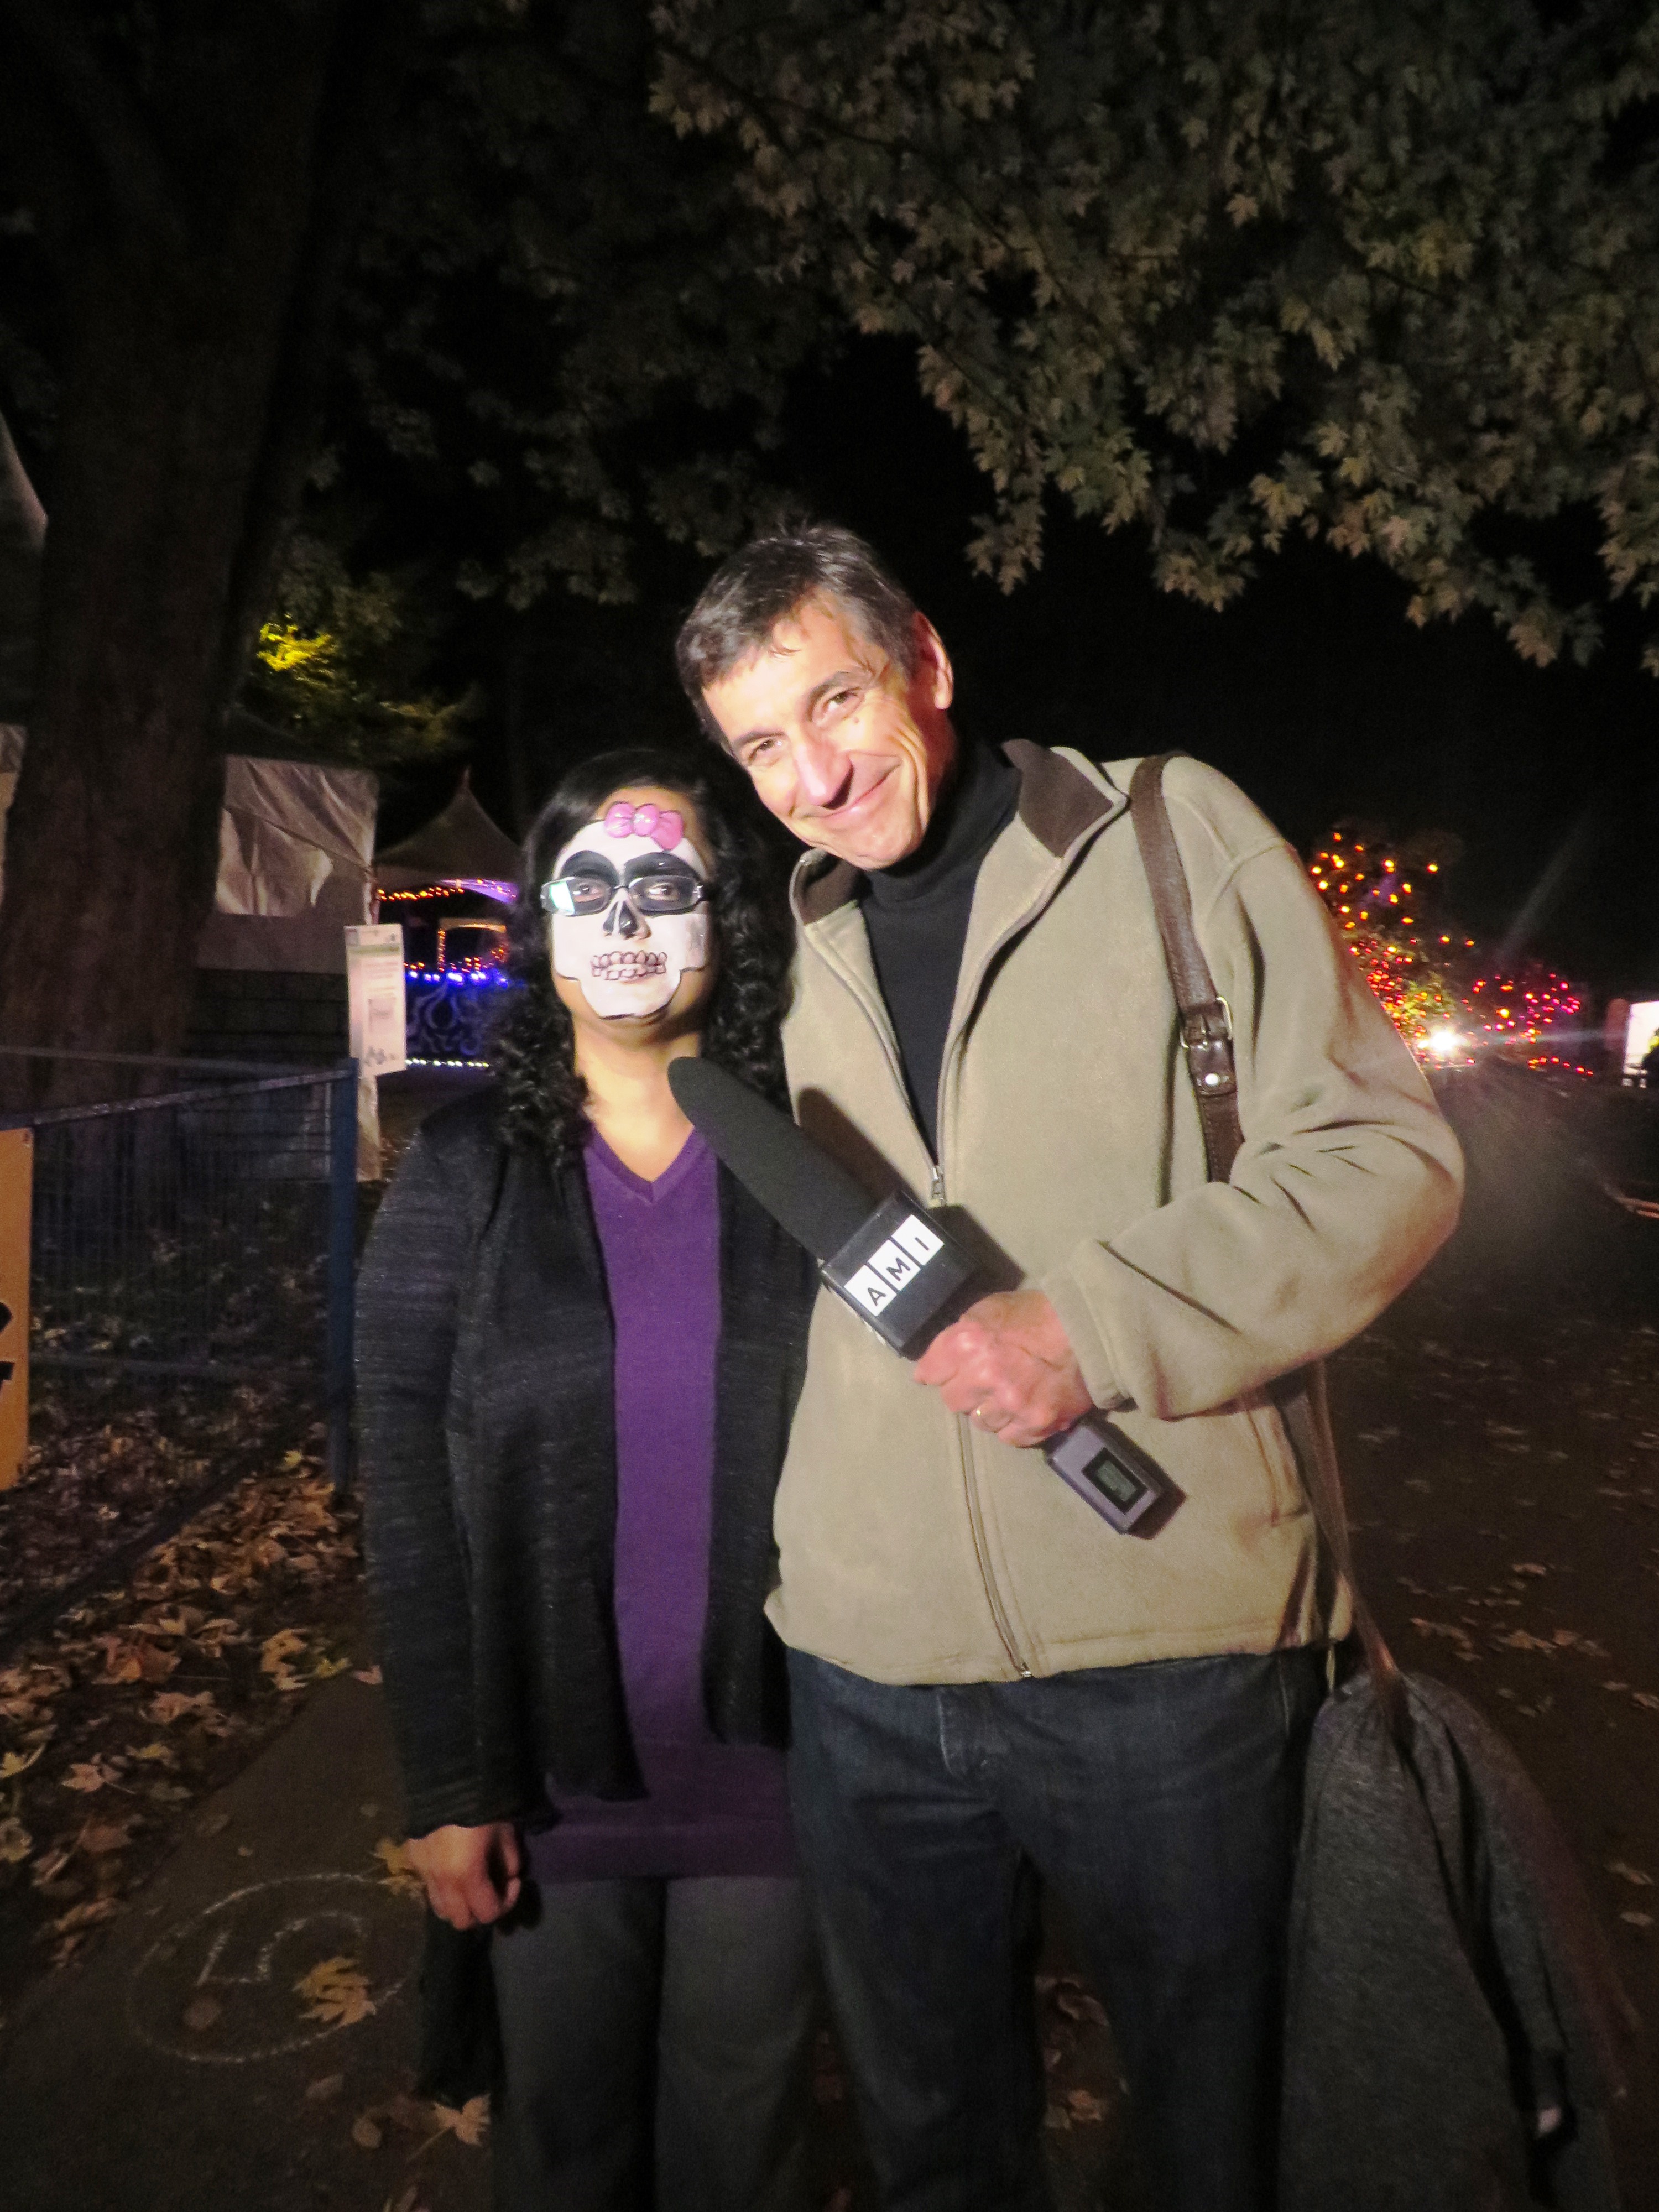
(99, 1837)
(1638, 1919)
(276, 1651)
(126, 1662)
(468, 2124)
(326, 1669)
(336, 1991)
(19, 1762)
(173, 1705)
(400, 1877)
(407, 2201)
(84, 1916)
(1084, 2105)
(214, 1824)
(201, 2013)
(1519, 1639)
(324, 2087)
(163, 1754)
(1634, 1875)
(89, 1774)
(367, 2132)
(15, 1843)
(369, 1675)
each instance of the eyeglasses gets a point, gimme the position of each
(664, 892)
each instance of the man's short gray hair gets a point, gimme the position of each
(759, 586)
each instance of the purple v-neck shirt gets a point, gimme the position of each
(710, 1808)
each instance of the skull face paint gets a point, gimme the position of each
(627, 905)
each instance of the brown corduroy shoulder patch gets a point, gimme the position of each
(1056, 803)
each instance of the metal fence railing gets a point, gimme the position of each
(202, 1231)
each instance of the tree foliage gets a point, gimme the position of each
(1383, 271)
(556, 315)
(339, 664)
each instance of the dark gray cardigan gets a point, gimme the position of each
(1447, 1980)
(485, 1390)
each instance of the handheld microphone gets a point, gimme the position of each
(896, 1266)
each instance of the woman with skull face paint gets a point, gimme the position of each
(580, 1346)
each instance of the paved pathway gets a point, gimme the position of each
(177, 2069)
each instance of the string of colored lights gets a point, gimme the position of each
(1418, 962)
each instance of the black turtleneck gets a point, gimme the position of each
(916, 914)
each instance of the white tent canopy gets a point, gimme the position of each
(296, 841)
(460, 846)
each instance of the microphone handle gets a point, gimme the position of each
(1107, 1471)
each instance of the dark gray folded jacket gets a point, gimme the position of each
(1450, 1990)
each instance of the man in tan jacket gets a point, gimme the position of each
(989, 1684)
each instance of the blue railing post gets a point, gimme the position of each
(342, 1266)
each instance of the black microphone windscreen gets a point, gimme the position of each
(804, 1191)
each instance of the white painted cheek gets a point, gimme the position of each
(576, 939)
(688, 945)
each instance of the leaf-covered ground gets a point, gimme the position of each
(144, 1699)
(108, 1457)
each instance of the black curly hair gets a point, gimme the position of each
(542, 1096)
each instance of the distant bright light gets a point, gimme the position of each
(1443, 1043)
(1640, 1032)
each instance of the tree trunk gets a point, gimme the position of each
(198, 296)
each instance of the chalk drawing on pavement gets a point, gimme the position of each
(219, 1988)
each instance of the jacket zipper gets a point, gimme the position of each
(970, 1494)
(936, 1197)
(999, 1620)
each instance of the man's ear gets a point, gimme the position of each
(933, 672)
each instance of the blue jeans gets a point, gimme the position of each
(1161, 1803)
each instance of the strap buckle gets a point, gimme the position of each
(1207, 1038)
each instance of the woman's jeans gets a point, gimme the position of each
(1161, 1803)
(658, 2044)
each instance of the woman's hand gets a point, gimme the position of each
(473, 1876)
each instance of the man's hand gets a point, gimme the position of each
(473, 1876)
(1008, 1363)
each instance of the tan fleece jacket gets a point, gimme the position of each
(912, 1547)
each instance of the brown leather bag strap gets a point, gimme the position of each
(1207, 1038)
(1207, 1025)
(1305, 1411)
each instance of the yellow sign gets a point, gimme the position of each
(16, 1186)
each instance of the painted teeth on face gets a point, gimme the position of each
(618, 967)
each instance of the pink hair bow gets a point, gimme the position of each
(662, 825)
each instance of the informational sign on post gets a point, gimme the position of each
(374, 992)
(16, 1193)
(377, 1020)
